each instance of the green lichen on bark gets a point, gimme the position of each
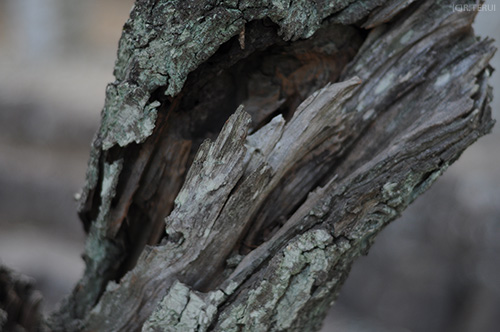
(98, 248)
(298, 275)
(183, 309)
(367, 151)
(163, 41)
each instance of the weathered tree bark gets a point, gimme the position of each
(349, 111)
(19, 302)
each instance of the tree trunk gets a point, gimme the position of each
(272, 140)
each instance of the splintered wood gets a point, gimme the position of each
(282, 144)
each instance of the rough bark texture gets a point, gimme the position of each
(265, 209)
(19, 302)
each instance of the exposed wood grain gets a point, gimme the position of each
(144, 195)
(198, 241)
(264, 222)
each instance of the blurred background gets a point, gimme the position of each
(435, 269)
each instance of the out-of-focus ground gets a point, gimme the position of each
(435, 269)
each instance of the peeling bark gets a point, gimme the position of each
(249, 151)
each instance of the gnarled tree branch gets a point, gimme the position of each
(350, 110)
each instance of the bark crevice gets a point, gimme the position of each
(286, 192)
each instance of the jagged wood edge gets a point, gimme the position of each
(163, 41)
(376, 194)
(149, 44)
(384, 179)
(355, 61)
(108, 252)
(207, 222)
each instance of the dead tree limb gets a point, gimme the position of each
(199, 220)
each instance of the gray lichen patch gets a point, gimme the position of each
(183, 309)
(91, 176)
(127, 117)
(385, 83)
(278, 297)
(99, 228)
(169, 310)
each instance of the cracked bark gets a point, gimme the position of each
(210, 216)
